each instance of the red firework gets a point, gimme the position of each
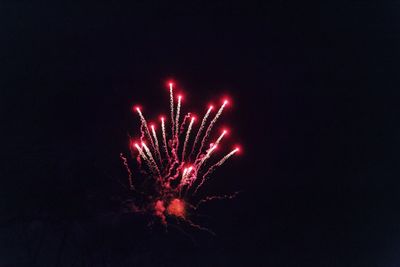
(177, 170)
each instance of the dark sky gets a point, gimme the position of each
(315, 107)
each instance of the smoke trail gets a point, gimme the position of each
(203, 122)
(199, 227)
(125, 162)
(211, 126)
(211, 198)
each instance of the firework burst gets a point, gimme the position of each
(174, 171)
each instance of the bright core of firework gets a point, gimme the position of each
(174, 156)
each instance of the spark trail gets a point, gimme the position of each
(146, 128)
(164, 138)
(150, 156)
(170, 171)
(201, 128)
(210, 126)
(187, 138)
(125, 162)
(220, 138)
(216, 165)
(157, 148)
(148, 162)
(171, 102)
(211, 150)
(178, 112)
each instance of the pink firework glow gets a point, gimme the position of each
(176, 157)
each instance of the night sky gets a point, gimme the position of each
(315, 92)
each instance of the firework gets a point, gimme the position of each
(173, 170)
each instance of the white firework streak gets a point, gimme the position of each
(220, 138)
(178, 111)
(146, 159)
(171, 100)
(202, 160)
(156, 144)
(211, 126)
(147, 150)
(207, 155)
(216, 165)
(203, 122)
(185, 174)
(185, 180)
(187, 138)
(164, 138)
(176, 140)
(146, 128)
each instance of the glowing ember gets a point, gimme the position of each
(159, 209)
(177, 208)
(176, 165)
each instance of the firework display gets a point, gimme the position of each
(173, 168)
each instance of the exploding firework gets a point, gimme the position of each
(174, 167)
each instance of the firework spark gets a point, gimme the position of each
(175, 170)
(201, 128)
(171, 102)
(210, 126)
(178, 112)
(156, 143)
(187, 137)
(164, 137)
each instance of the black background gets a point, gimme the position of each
(315, 107)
